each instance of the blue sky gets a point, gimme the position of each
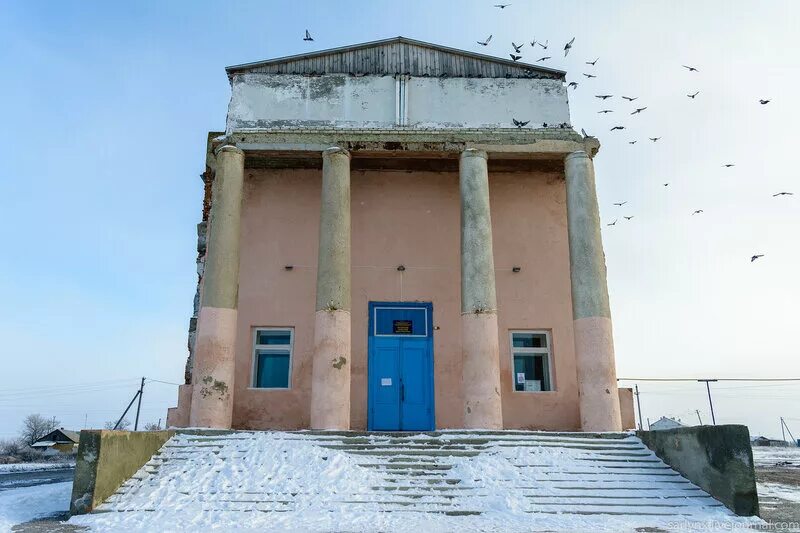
(106, 107)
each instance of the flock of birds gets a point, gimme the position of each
(516, 55)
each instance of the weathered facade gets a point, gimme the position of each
(381, 249)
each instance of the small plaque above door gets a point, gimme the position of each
(402, 327)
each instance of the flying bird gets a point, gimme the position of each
(515, 58)
(568, 46)
(308, 37)
(604, 111)
(612, 223)
(630, 99)
(544, 46)
(631, 142)
(589, 75)
(729, 165)
(517, 47)
(603, 96)
(654, 139)
(638, 110)
(697, 212)
(621, 203)
(783, 194)
(753, 258)
(486, 42)
(592, 63)
(666, 185)
(502, 6)
(519, 123)
(545, 58)
(691, 69)
(763, 102)
(533, 43)
(628, 218)
(617, 128)
(573, 84)
(693, 95)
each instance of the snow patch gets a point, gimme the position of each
(25, 504)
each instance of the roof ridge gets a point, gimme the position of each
(399, 39)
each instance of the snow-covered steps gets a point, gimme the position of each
(330, 481)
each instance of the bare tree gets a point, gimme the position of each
(125, 424)
(150, 426)
(35, 426)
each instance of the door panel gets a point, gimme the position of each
(414, 376)
(385, 384)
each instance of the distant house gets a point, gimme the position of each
(665, 423)
(764, 441)
(58, 441)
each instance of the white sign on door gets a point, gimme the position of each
(386, 382)
(520, 377)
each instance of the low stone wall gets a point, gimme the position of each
(626, 412)
(718, 459)
(106, 459)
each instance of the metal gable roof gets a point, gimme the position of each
(398, 55)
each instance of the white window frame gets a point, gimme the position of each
(532, 351)
(256, 347)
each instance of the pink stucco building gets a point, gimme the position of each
(383, 249)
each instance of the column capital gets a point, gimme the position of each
(229, 148)
(577, 155)
(474, 152)
(335, 150)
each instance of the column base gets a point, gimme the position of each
(212, 375)
(483, 408)
(330, 375)
(597, 377)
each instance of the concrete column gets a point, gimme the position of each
(330, 376)
(479, 335)
(212, 375)
(594, 343)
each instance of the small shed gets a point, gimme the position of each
(665, 423)
(58, 441)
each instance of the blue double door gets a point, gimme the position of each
(400, 367)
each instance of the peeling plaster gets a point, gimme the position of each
(268, 101)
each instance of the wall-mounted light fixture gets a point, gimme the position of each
(515, 269)
(401, 268)
(289, 267)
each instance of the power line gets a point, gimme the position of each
(164, 382)
(708, 379)
(70, 386)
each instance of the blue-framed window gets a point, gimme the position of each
(272, 354)
(405, 321)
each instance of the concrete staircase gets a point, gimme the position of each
(448, 474)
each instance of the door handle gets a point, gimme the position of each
(402, 392)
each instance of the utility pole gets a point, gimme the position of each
(783, 431)
(710, 403)
(698, 416)
(648, 423)
(638, 405)
(139, 406)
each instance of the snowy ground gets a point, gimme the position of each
(35, 467)
(24, 504)
(771, 456)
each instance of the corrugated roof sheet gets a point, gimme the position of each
(398, 55)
